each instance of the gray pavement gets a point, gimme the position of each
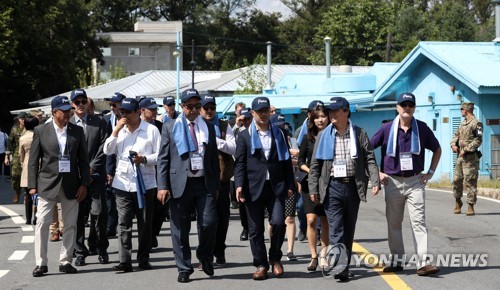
(448, 234)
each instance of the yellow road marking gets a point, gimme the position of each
(390, 278)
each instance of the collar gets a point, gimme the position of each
(84, 119)
(59, 130)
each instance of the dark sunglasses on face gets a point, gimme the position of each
(125, 112)
(77, 103)
(190, 107)
(171, 105)
(211, 107)
(407, 104)
(113, 105)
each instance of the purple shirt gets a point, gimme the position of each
(391, 164)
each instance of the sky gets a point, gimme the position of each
(273, 6)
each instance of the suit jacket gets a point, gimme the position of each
(95, 136)
(365, 167)
(172, 168)
(251, 170)
(110, 159)
(43, 164)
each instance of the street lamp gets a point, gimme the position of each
(209, 55)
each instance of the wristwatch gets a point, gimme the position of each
(430, 171)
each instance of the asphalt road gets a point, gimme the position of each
(449, 234)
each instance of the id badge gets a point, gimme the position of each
(197, 161)
(122, 166)
(64, 165)
(406, 161)
(340, 168)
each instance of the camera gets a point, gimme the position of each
(132, 153)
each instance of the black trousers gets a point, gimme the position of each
(256, 226)
(223, 213)
(98, 238)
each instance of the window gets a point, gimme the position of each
(495, 157)
(106, 51)
(134, 51)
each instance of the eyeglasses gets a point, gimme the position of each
(113, 105)
(461, 109)
(125, 112)
(190, 107)
(407, 105)
(77, 103)
(171, 105)
(212, 107)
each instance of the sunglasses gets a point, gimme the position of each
(77, 103)
(190, 107)
(407, 105)
(113, 105)
(171, 105)
(125, 112)
(212, 107)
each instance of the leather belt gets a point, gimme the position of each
(406, 174)
(343, 179)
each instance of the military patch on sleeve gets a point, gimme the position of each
(479, 129)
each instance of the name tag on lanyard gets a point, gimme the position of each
(406, 161)
(197, 159)
(122, 166)
(340, 168)
(64, 164)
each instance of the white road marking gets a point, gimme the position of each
(13, 215)
(479, 196)
(18, 255)
(27, 228)
(28, 240)
(3, 273)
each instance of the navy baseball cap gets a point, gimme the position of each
(22, 115)
(278, 119)
(129, 104)
(60, 103)
(406, 97)
(246, 112)
(260, 103)
(117, 98)
(338, 103)
(78, 93)
(168, 100)
(314, 104)
(148, 103)
(207, 99)
(188, 94)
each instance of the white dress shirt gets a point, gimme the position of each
(62, 136)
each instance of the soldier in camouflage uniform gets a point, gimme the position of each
(466, 142)
(13, 150)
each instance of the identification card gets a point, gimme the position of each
(197, 161)
(406, 161)
(122, 166)
(64, 164)
(340, 168)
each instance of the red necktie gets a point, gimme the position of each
(195, 141)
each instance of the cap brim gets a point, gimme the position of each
(64, 107)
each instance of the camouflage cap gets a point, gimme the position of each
(467, 106)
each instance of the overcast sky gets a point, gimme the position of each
(273, 6)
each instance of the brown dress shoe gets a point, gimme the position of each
(260, 273)
(470, 210)
(458, 206)
(427, 270)
(278, 269)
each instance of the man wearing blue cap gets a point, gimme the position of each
(342, 163)
(189, 173)
(135, 144)
(95, 202)
(169, 107)
(263, 178)
(406, 139)
(58, 170)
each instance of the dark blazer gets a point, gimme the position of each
(95, 136)
(172, 169)
(43, 166)
(250, 170)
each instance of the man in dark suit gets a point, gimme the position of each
(188, 172)
(263, 179)
(111, 121)
(58, 170)
(95, 202)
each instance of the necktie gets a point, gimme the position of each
(195, 141)
(81, 123)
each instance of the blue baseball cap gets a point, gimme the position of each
(60, 103)
(78, 93)
(207, 99)
(246, 112)
(116, 98)
(148, 103)
(168, 100)
(314, 104)
(338, 103)
(260, 103)
(278, 119)
(129, 104)
(406, 97)
(188, 94)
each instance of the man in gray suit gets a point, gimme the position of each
(58, 170)
(95, 202)
(188, 171)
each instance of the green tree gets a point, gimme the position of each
(114, 15)
(8, 42)
(254, 77)
(451, 21)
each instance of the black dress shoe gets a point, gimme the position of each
(393, 268)
(68, 269)
(80, 261)
(220, 261)
(40, 270)
(208, 267)
(103, 258)
(342, 276)
(145, 266)
(123, 267)
(244, 235)
(183, 277)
